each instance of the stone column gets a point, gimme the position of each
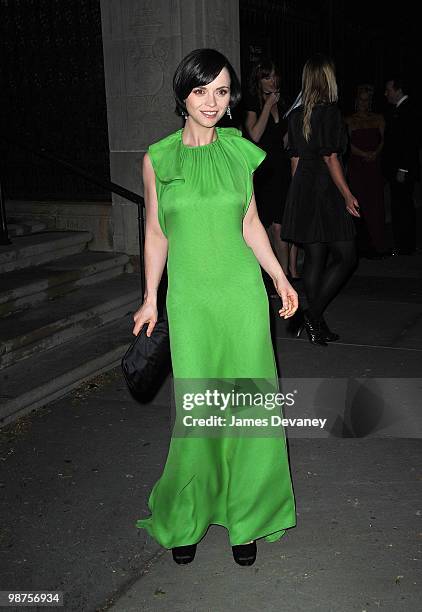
(143, 42)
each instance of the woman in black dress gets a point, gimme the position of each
(265, 126)
(319, 206)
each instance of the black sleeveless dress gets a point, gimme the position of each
(272, 178)
(315, 210)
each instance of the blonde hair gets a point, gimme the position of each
(368, 89)
(318, 86)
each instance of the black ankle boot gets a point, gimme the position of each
(245, 554)
(184, 554)
(326, 332)
(313, 329)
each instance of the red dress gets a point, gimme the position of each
(367, 185)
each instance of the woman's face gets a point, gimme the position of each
(206, 104)
(270, 84)
(363, 102)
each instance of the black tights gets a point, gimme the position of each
(322, 282)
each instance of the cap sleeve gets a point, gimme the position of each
(151, 151)
(251, 103)
(291, 149)
(251, 156)
(165, 158)
(331, 131)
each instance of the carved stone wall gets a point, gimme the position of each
(143, 42)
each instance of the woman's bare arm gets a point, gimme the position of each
(336, 172)
(255, 125)
(356, 151)
(293, 164)
(156, 245)
(257, 239)
(155, 252)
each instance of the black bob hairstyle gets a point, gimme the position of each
(201, 67)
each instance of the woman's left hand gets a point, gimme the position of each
(288, 296)
(352, 205)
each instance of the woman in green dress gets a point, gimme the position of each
(201, 218)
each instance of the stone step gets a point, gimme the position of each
(30, 286)
(36, 249)
(70, 316)
(24, 227)
(58, 370)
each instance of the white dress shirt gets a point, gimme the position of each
(402, 99)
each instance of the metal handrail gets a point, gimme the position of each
(101, 182)
(4, 235)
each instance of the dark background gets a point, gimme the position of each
(52, 97)
(52, 93)
(369, 41)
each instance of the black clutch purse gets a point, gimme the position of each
(147, 361)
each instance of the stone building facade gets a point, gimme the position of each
(143, 42)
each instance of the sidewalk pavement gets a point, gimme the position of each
(77, 473)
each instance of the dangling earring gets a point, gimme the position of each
(184, 115)
(229, 112)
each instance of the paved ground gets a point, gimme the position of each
(76, 475)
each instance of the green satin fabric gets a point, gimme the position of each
(219, 328)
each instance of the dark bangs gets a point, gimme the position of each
(261, 70)
(198, 68)
(264, 70)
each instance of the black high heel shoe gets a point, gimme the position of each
(295, 322)
(313, 329)
(184, 554)
(326, 332)
(244, 554)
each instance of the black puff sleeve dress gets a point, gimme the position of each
(272, 177)
(315, 209)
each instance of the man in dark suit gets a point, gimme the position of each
(401, 164)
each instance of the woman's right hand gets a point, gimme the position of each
(272, 98)
(147, 313)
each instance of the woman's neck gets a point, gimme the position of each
(195, 135)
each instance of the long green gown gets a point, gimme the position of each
(219, 329)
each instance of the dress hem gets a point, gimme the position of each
(272, 536)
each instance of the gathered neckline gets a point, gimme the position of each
(209, 144)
